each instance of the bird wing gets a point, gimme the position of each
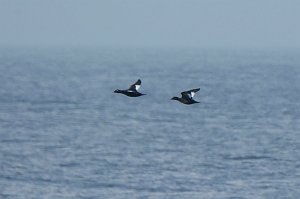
(189, 94)
(136, 85)
(185, 95)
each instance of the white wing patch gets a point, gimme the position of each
(137, 87)
(193, 94)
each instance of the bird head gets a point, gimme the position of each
(174, 98)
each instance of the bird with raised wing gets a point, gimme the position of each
(187, 97)
(132, 91)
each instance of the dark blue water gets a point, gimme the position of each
(65, 134)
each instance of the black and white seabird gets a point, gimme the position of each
(187, 97)
(132, 91)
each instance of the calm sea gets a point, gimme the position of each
(65, 134)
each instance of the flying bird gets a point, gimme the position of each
(132, 91)
(187, 97)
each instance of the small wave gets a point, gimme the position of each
(250, 157)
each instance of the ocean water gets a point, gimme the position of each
(65, 134)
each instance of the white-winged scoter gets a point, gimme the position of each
(187, 97)
(132, 91)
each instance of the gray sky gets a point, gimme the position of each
(200, 23)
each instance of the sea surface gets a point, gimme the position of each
(65, 134)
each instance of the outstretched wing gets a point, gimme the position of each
(189, 94)
(136, 85)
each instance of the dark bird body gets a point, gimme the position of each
(187, 97)
(132, 91)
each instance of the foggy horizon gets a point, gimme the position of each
(200, 24)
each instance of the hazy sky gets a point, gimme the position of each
(233, 23)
